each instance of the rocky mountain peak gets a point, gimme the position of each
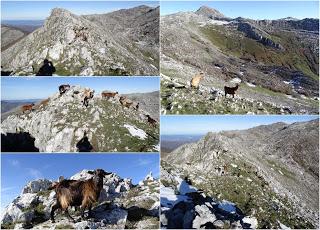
(90, 44)
(60, 12)
(60, 122)
(209, 12)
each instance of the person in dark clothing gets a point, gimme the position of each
(84, 144)
(47, 69)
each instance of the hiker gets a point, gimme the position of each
(47, 69)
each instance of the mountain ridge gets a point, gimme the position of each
(79, 45)
(284, 156)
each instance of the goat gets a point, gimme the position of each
(63, 89)
(195, 81)
(137, 106)
(78, 193)
(151, 121)
(230, 90)
(108, 94)
(44, 102)
(125, 102)
(88, 94)
(27, 107)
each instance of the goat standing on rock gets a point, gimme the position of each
(78, 193)
(230, 90)
(87, 95)
(63, 89)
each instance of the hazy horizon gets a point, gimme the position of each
(31, 88)
(201, 125)
(259, 10)
(40, 10)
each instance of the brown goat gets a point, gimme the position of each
(78, 193)
(125, 102)
(44, 102)
(195, 81)
(151, 121)
(27, 107)
(109, 94)
(230, 90)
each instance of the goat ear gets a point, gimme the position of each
(91, 172)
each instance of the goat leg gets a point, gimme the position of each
(68, 215)
(90, 211)
(82, 211)
(54, 207)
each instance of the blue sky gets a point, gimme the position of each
(37, 10)
(171, 125)
(18, 169)
(17, 88)
(249, 9)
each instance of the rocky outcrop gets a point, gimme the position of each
(115, 207)
(61, 123)
(85, 45)
(184, 206)
(253, 33)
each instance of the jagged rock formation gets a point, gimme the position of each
(270, 172)
(253, 33)
(183, 206)
(276, 61)
(124, 42)
(60, 122)
(10, 35)
(121, 205)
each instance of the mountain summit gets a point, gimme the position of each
(104, 44)
(209, 12)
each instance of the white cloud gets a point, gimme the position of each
(15, 163)
(143, 162)
(35, 173)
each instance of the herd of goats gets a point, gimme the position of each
(86, 96)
